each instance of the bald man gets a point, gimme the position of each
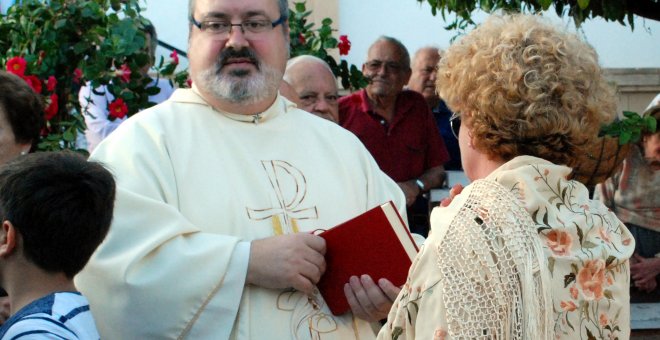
(422, 80)
(312, 79)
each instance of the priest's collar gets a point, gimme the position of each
(280, 106)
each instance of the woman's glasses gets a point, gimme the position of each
(455, 124)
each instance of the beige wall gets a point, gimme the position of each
(636, 87)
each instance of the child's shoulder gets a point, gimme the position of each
(64, 314)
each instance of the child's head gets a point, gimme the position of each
(60, 206)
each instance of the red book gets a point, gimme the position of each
(376, 243)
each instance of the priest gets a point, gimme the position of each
(219, 191)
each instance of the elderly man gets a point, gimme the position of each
(397, 127)
(424, 66)
(313, 80)
(219, 191)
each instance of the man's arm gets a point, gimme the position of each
(431, 178)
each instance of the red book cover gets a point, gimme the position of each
(376, 243)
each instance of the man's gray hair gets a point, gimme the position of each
(282, 4)
(405, 56)
(304, 58)
(430, 48)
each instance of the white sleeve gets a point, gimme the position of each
(155, 263)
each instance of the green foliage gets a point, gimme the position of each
(78, 41)
(306, 40)
(631, 128)
(621, 11)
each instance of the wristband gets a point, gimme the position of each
(420, 184)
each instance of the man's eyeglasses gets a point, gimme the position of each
(222, 28)
(390, 66)
(455, 124)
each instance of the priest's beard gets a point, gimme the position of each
(241, 86)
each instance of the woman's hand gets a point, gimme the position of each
(455, 190)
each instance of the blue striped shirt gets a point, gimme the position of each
(63, 315)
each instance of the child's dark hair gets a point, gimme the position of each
(60, 204)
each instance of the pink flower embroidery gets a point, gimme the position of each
(568, 306)
(604, 234)
(603, 319)
(591, 278)
(559, 242)
(574, 292)
(440, 334)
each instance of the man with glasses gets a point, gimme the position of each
(424, 68)
(397, 127)
(315, 84)
(220, 190)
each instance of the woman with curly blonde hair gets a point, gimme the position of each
(522, 252)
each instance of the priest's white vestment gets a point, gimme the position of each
(194, 187)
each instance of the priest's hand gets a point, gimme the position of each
(368, 300)
(294, 260)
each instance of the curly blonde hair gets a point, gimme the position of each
(526, 87)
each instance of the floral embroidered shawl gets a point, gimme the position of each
(586, 252)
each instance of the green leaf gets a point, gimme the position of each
(60, 23)
(68, 136)
(396, 332)
(551, 264)
(608, 295)
(545, 4)
(579, 232)
(300, 7)
(568, 279)
(625, 137)
(651, 124)
(590, 336)
(326, 22)
(609, 260)
(589, 245)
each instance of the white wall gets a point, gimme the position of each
(415, 26)
(364, 20)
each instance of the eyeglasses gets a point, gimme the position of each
(455, 124)
(222, 28)
(390, 66)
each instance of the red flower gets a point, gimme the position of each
(77, 75)
(124, 72)
(118, 109)
(17, 66)
(301, 39)
(34, 82)
(175, 57)
(344, 45)
(51, 83)
(189, 82)
(51, 110)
